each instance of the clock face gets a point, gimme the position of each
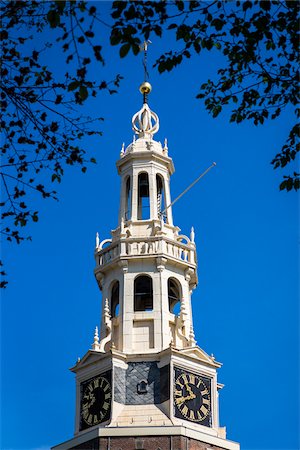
(192, 397)
(95, 401)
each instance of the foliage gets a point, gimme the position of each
(259, 40)
(42, 129)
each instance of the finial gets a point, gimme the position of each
(212, 356)
(78, 360)
(145, 123)
(192, 235)
(97, 240)
(122, 149)
(165, 149)
(95, 345)
(96, 336)
(192, 340)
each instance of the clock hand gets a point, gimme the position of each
(189, 397)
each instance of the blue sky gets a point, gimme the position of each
(246, 304)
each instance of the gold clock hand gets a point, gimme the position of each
(183, 399)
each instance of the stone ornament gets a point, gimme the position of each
(145, 123)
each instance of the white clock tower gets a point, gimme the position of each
(145, 383)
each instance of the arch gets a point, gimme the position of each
(143, 197)
(174, 295)
(128, 198)
(115, 299)
(143, 293)
(183, 238)
(161, 197)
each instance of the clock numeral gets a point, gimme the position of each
(90, 419)
(180, 384)
(184, 377)
(184, 410)
(106, 387)
(105, 406)
(192, 415)
(204, 409)
(96, 419)
(108, 395)
(204, 392)
(205, 401)
(96, 383)
(192, 378)
(90, 387)
(199, 383)
(85, 413)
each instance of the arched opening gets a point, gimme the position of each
(143, 197)
(161, 197)
(115, 299)
(143, 293)
(174, 296)
(128, 200)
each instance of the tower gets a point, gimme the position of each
(145, 383)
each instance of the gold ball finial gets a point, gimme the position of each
(145, 88)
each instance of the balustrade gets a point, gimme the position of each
(135, 247)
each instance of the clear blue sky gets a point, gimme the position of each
(246, 304)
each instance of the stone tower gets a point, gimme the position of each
(145, 383)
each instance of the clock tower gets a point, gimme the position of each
(145, 384)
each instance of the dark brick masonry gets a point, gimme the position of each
(146, 443)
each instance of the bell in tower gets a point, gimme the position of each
(145, 383)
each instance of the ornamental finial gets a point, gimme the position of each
(95, 345)
(145, 123)
(97, 240)
(192, 340)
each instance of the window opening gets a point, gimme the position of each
(174, 296)
(161, 198)
(143, 293)
(115, 299)
(128, 200)
(143, 197)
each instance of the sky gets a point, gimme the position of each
(246, 305)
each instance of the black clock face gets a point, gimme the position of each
(192, 397)
(95, 401)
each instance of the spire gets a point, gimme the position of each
(145, 123)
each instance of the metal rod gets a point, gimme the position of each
(189, 187)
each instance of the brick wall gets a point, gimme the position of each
(146, 443)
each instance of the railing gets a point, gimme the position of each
(106, 255)
(140, 247)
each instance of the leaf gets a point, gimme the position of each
(73, 85)
(83, 92)
(124, 50)
(53, 18)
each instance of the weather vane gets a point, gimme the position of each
(145, 87)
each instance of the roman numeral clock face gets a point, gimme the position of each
(95, 401)
(192, 397)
